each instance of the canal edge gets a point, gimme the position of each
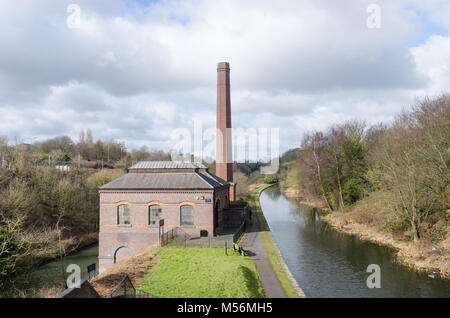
(298, 290)
(287, 271)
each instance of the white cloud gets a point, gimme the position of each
(432, 60)
(135, 73)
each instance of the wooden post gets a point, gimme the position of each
(161, 225)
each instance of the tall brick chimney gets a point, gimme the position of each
(224, 156)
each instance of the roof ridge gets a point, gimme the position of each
(167, 165)
(203, 179)
(217, 179)
(214, 178)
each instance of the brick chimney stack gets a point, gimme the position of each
(224, 156)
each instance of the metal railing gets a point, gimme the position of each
(176, 237)
(237, 235)
(125, 289)
(176, 234)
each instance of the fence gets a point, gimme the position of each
(178, 238)
(237, 235)
(174, 236)
(125, 289)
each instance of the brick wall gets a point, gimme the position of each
(234, 215)
(118, 242)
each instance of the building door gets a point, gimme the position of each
(122, 253)
(216, 216)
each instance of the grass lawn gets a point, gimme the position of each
(202, 273)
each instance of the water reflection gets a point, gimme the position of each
(51, 274)
(327, 263)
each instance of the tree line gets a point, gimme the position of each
(406, 164)
(46, 213)
(84, 152)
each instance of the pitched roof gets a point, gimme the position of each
(166, 175)
(166, 181)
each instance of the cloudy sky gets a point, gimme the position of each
(134, 70)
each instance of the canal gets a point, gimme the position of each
(50, 275)
(327, 263)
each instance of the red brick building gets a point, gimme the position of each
(184, 194)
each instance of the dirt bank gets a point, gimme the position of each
(135, 267)
(423, 256)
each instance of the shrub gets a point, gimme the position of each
(270, 179)
(100, 178)
(12, 250)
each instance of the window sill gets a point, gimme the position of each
(124, 225)
(188, 226)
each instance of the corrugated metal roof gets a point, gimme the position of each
(168, 165)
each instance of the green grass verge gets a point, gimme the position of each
(202, 273)
(249, 225)
(268, 243)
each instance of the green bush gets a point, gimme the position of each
(353, 190)
(11, 252)
(100, 178)
(394, 225)
(270, 179)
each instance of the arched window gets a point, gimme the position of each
(187, 215)
(123, 214)
(154, 213)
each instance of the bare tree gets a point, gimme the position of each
(337, 152)
(415, 165)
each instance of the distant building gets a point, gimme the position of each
(24, 148)
(65, 168)
(184, 194)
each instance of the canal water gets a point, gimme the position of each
(327, 263)
(51, 274)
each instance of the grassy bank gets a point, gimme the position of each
(202, 272)
(272, 251)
